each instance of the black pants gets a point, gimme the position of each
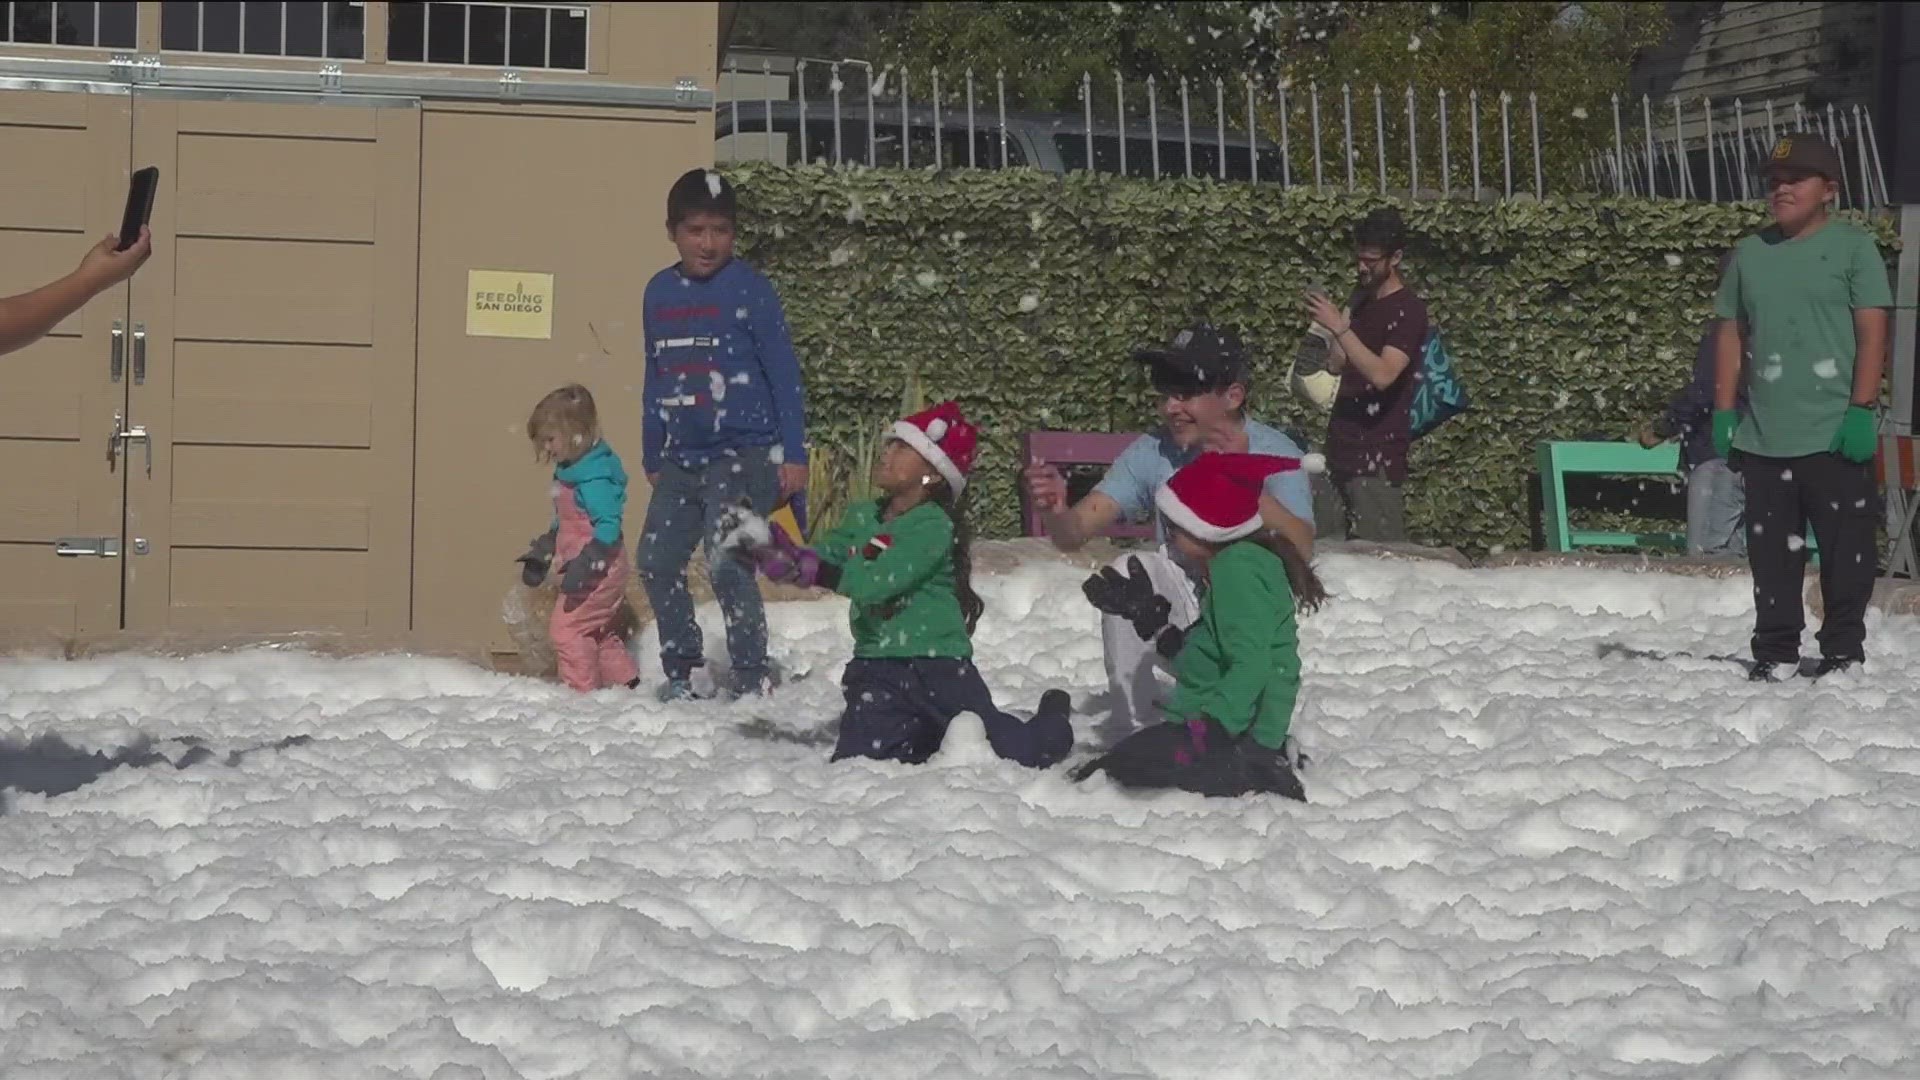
(898, 710)
(1197, 756)
(1838, 499)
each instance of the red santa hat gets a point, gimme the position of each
(1216, 497)
(943, 437)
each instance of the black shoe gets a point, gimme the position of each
(1774, 671)
(1054, 704)
(1831, 664)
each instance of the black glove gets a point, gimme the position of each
(1172, 640)
(533, 565)
(1129, 597)
(585, 570)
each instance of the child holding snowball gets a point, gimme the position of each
(583, 540)
(1237, 668)
(726, 421)
(903, 561)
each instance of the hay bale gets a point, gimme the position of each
(1894, 596)
(1405, 552)
(1633, 563)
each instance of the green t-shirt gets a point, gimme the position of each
(1797, 298)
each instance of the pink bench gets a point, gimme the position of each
(1067, 449)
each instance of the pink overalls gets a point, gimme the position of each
(585, 629)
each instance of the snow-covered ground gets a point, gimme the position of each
(1521, 860)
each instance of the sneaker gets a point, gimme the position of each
(1832, 664)
(1296, 757)
(675, 690)
(743, 686)
(1054, 704)
(1774, 671)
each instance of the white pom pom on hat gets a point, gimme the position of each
(943, 437)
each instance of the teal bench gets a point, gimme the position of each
(1557, 460)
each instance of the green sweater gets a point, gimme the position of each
(1241, 661)
(901, 585)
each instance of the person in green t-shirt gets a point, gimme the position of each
(1237, 669)
(903, 561)
(1810, 295)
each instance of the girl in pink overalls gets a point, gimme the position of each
(589, 498)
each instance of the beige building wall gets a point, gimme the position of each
(283, 425)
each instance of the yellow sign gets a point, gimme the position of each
(508, 303)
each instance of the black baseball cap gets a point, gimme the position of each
(1201, 357)
(1804, 150)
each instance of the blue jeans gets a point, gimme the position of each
(1716, 507)
(682, 514)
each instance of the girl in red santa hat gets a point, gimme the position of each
(1237, 669)
(903, 561)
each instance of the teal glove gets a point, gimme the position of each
(1724, 421)
(1858, 432)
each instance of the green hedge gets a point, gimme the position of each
(1021, 294)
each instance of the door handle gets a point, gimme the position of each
(123, 434)
(117, 354)
(71, 547)
(139, 354)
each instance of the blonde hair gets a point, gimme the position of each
(567, 412)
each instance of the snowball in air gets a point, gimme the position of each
(1314, 463)
(1672, 259)
(713, 183)
(1029, 302)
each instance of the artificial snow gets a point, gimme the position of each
(1520, 860)
(740, 529)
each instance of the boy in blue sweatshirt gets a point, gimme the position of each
(725, 423)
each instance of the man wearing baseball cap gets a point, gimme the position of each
(1810, 294)
(1201, 379)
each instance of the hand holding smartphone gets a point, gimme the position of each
(139, 210)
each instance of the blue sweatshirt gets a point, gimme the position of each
(1690, 414)
(599, 485)
(721, 373)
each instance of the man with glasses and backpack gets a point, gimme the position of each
(1376, 349)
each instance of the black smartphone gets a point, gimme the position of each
(139, 205)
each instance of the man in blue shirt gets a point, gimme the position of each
(725, 423)
(1201, 379)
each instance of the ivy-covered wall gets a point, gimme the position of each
(1022, 294)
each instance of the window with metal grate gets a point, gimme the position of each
(108, 25)
(489, 35)
(331, 29)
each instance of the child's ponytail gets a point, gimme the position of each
(1308, 590)
(971, 606)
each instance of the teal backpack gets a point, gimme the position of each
(1438, 393)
